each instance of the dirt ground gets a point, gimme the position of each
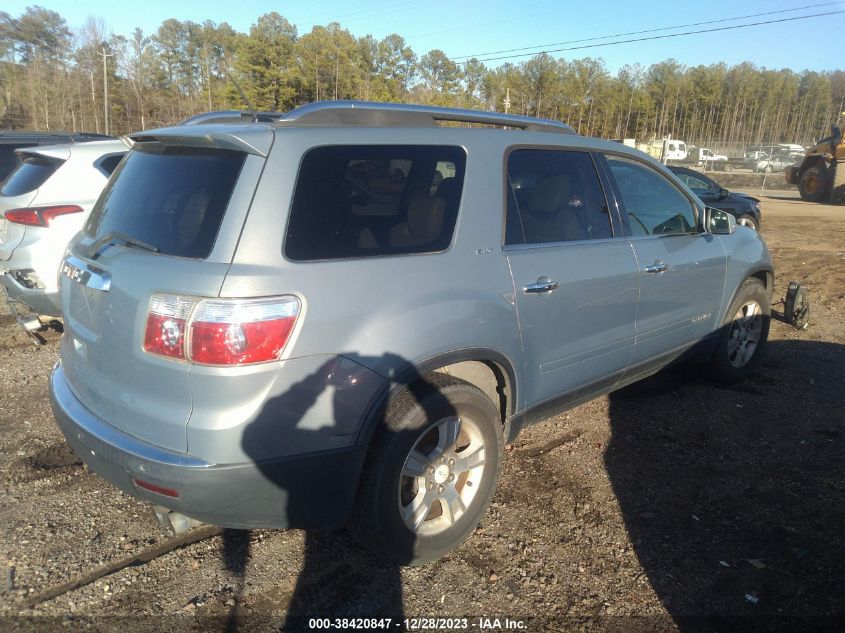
(678, 506)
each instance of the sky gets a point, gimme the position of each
(478, 27)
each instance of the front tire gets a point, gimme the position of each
(430, 472)
(748, 220)
(813, 185)
(742, 338)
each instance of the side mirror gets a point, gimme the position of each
(718, 222)
(723, 193)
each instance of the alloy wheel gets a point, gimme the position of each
(441, 475)
(744, 337)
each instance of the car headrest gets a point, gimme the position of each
(425, 216)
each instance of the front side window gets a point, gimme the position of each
(366, 200)
(554, 196)
(654, 206)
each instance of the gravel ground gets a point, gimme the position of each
(676, 506)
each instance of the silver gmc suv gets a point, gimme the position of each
(339, 315)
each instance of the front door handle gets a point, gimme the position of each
(657, 267)
(543, 285)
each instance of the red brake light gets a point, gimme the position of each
(24, 216)
(220, 331)
(240, 332)
(40, 216)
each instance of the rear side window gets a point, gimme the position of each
(555, 196)
(29, 175)
(367, 200)
(171, 197)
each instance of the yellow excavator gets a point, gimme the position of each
(821, 175)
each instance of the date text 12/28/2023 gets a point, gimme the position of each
(418, 624)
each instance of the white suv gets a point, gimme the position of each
(43, 203)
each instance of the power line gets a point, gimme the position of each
(659, 37)
(665, 28)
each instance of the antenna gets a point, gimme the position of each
(249, 105)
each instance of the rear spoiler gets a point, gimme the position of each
(251, 140)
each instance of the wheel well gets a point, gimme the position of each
(487, 376)
(486, 369)
(765, 277)
(811, 162)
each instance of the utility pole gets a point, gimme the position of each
(507, 102)
(105, 56)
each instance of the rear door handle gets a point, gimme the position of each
(543, 285)
(657, 267)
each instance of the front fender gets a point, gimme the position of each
(747, 256)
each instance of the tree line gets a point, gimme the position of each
(53, 79)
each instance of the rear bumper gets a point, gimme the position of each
(314, 490)
(41, 302)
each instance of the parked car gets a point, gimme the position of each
(12, 140)
(745, 208)
(776, 163)
(43, 202)
(258, 336)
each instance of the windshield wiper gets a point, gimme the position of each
(98, 246)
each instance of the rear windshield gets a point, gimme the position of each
(366, 200)
(29, 175)
(8, 158)
(171, 197)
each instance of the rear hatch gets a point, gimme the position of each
(20, 189)
(166, 224)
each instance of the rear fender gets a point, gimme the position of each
(408, 373)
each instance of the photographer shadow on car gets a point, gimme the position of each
(339, 578)
(733, 496)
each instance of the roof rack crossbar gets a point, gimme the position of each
(397, 114)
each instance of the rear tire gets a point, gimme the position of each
(813, 185)
(430, 472)
(742, 338)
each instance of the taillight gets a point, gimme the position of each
(166, 321)
(220, 331)
(40, 216)
(239, 332)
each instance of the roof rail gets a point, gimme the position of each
(400, 114)
(232, 116)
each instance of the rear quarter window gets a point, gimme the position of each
(108, 164)
(173, 198)
(370, 200)
(30, 174)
